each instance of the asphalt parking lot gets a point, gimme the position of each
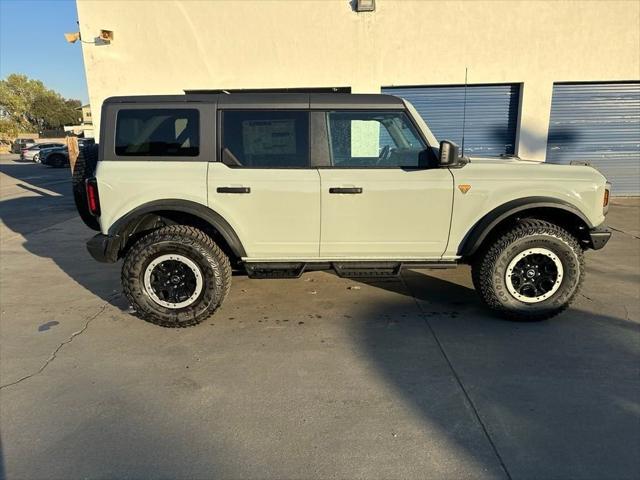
(318, 377)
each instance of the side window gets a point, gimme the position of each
(265, 138)
(373, 139)
(158, 132)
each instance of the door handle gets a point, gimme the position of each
(351, 190)
(233, 190)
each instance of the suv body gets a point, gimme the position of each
(277, 184)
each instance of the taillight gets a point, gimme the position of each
(605, 200)
(93, 200)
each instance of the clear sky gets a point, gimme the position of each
(32, 42)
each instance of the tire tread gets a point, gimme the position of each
(482, 268)
(186, 235)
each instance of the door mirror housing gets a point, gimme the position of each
(449, 153)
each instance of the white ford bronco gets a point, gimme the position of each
(186, 188)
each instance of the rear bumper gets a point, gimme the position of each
(104, 248)
(599, 236)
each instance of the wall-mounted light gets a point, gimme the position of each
(72, 37)
(105, 37)
(365, 5)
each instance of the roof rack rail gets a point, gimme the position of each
(268, 90)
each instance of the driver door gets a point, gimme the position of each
(379, 199)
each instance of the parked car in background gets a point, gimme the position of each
(59, 156)
(54, 156)
(20, 143)
(30, 153)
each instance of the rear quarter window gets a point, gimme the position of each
(158, 132)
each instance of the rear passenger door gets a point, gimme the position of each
(263, 184)
(381, 197)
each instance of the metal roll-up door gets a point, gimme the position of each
(491, 115)
(598, 123)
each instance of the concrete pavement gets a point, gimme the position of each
(319, 377)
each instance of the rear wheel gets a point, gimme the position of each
(176, 276)
(531, 272)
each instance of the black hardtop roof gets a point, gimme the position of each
(272, 100)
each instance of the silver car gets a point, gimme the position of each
(33, 153)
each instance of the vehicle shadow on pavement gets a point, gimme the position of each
(551, 399)
(43, 201)
(555, 399)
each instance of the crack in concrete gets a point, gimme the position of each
(627, 315)
(622, 231)
(626, 312)
(54, 354)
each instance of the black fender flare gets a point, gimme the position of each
(133, 218)
(478, 233)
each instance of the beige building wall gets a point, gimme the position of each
(167, 46)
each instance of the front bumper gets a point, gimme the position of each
(104, 248)
(599, 236)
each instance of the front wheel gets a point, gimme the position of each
(532, 272)
(176, 276)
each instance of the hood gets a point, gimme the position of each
(518, 167)
(503, 160)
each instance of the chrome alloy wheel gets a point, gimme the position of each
(534, 275)
(173, 281)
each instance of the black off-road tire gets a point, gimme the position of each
(490, 267)
(85, 167)
(196, 246)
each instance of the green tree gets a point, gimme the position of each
(28, 105)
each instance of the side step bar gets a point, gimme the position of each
(274, 270)
(342, 269)
(367, 269)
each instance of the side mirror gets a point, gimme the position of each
(449, 153)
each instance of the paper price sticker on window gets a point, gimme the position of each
(269, 137)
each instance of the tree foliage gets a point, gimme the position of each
(29, 106)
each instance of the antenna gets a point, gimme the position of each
(464, 109)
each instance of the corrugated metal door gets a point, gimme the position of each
(598, 123)
(492, 115)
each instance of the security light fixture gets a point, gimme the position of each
(72, 37)
(365, 5)
(106, 36)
